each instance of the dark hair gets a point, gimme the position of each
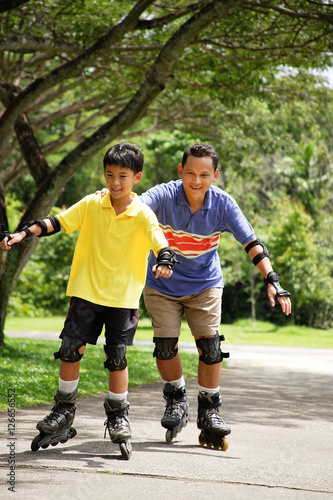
(200, 150)
(125, 155)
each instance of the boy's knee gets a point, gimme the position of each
(116, 357)
(70, 350)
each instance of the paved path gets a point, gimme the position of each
(279, 448)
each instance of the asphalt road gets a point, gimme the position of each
(278, 402)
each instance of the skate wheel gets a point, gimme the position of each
(225, 445)
(55, 444)
(168, 436)
(202, 440)
(44, 446)
(126, 449)
(35, 445)
(72, 432)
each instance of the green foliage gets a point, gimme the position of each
(306, 270)
(244, 84)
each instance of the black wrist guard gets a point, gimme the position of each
(166, 257)
(4, 233)
(28, 234)
(260, 255)
(274, 278)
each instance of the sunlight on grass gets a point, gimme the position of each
(241, 332)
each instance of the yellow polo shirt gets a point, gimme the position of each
(110, 259)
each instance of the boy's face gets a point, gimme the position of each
(120, 180)
(197, 176)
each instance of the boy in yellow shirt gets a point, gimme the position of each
(107, 277)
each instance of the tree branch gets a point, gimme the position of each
(37, 165)
(6, 5)
(68, 70)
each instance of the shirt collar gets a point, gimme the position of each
(131, 211)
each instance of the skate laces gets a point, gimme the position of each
(116, 423)
(214, 416)
(55, 415)
(172, 406)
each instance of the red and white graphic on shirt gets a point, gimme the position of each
(188, 244)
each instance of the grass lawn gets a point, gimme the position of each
(28, 366)
(240, 332)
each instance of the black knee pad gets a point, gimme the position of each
(211, 349)
(116, 354)
(165, 347)
(69, 350)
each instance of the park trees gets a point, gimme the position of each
(78, 75)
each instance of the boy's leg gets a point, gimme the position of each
(82, 325)
(120, 327)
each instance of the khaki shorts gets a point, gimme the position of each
(202, 312)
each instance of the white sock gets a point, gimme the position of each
(118, 397)
(180, 382)
(68, 386)
(209, 390)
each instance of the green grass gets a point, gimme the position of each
(240, 332)
(28, 367)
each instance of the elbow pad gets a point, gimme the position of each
(55, 224)
(260, 255)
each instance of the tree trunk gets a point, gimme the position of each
(11, 265)
(50, 182)
(253, 299)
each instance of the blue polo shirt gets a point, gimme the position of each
(194, 238)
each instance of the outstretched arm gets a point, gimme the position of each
(259, 255)
(39, 228)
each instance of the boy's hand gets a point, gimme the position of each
(4, 242)
(162, 271)
(11, 239)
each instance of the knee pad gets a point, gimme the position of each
(116, 354)
(165, 347)
(69, 350)
(211, 349)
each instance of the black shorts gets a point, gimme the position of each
(85, 321)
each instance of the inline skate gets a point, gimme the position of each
(57, 426)
(118, 426)
(176, 414)
(213, 428)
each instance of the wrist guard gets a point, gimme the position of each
(4, 233)
(273, 279)
(260, 255)
(166, 257)
(28, 234)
